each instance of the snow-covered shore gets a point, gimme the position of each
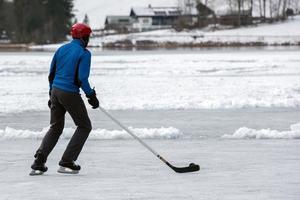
(286, 33)
(279, 33)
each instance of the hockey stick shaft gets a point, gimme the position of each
(133, 135)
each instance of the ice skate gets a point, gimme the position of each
(38, 167)
(66, 167)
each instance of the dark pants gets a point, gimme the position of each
(62, 102)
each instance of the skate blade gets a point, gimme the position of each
(65, 170)
(36, 173)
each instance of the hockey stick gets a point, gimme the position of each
(191, 168)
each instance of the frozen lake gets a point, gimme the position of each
(235, 112)
(122, 169)
(232, 78)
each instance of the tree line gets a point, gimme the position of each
(272, 9)
(36, 21)
(263, 10)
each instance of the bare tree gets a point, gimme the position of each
(230, 5)
(265, 8)
(260, 8)
(239, 2)
(272, 8)
(250, 6)
(285, 2)
(278, 9)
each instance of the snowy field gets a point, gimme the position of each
(235, 112)
(164, 80)
(276, 34)
(269, 34)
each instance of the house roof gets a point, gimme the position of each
(155, 11)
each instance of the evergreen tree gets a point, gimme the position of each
(59, 19)
(86, 19)
(7, 19)
(20, 7)
(44, 21)
(1, 17)
(75, 21)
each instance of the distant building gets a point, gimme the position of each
(204, 10)
(119, 23)
(153, 18)
(206, 15)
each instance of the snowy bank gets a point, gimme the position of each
(280, 33)
(248, 133)
(97, 134)
(286, 33)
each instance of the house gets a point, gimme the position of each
(119, 23)
(152, 18)
(204, 10)
(155, 18)
(206, 15)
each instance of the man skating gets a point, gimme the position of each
(69, 71)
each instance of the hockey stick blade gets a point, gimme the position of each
(191, 168)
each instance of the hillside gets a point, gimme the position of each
(281, 33)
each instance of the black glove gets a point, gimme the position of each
(49, 101)
(92, 99)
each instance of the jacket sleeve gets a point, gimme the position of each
(84, 72)
(52, 71)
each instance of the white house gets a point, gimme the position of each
(153, 18)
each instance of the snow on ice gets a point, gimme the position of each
(153, 133)
(147, 81)
(248, 133)
(96, 134)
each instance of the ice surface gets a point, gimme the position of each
(166, 90)
(123, 169)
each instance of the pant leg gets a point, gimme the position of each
(74, 105)
(57, 121)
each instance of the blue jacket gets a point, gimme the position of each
(70, 68)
